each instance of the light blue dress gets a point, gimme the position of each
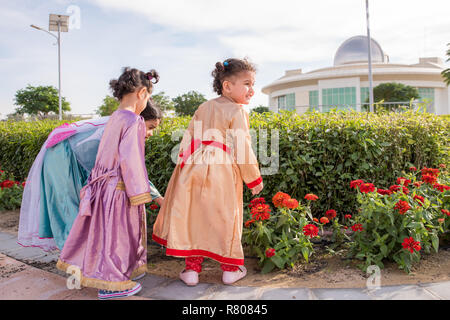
(65, 170)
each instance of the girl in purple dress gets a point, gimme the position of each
(107, 245)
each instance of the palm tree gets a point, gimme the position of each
(446, 72)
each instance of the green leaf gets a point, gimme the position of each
(278, 261)
(268, 266)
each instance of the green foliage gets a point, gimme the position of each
(318, 153)
(10, 192)
(186, 104)
(39, 100)
(163, 102)
(394, 92)
(109, 105)
(283, 233)
(385, 228)
(260, 109)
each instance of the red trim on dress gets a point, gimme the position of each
(253, 184)
(197, 252)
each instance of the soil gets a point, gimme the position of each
(323, 271)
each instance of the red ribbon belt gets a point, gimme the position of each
(195, 144)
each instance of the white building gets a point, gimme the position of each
(346, 84)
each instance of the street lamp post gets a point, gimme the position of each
(370, 59)
(59, 23)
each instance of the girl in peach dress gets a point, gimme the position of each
(202, 213)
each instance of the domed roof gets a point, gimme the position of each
(355, 50)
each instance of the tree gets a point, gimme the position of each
(446, 73)
(163, 102)
(39, 101)
(261, 109)
(394, 92)
(186, 104)
(109, 105)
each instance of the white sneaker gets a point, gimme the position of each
(230, 277)
(105, 294)
(190, 277)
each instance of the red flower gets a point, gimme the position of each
(310, 230)
(348, 216)
(384, 192)
(402, 206)
(411, 245)
(311, 197)
(154, 207)
(403, 181)
(442, 165)
(357, 227)
(7, 184)
(356, 183)
(428, 178)
(418, 184)
(290, 203)
(249, 222)
(419, 199)
(256, 201)
(324, 220)
(278, 199)
(446, 212)
(315, 220)
(441, 220)
(260, 212)
(331, 214)
(394, 188)
(270, 252)
(412, 169)
(441, 187)
(367, 187)
(23, 184)
(430, 171)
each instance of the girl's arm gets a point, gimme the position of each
(243, 152)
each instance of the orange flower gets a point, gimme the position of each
(279, 198)
(249, 222)
(311, 197)
(324, 220)
(290, 203)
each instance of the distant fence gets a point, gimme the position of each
(400, 106)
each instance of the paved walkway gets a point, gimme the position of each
(20, 280)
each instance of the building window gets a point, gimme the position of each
(364, 98)
(339, 98)
(287, 102)
(427, 95)
(314, 100)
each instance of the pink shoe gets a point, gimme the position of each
(190, 277)
(230, 277)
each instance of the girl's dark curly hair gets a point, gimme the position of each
(131, 80)
(151, 111)
(227, 69)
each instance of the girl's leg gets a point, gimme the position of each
(194, 263)
(228, 267)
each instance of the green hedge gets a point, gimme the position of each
(319, 153)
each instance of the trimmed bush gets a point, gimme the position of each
(319, 153)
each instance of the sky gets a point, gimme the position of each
(183, 40)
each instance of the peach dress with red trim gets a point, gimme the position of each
(202, 214)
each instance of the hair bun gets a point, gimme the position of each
(153, 76)
(220, 67)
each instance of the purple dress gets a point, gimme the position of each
(108, 240)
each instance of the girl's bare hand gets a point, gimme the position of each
(257, 189)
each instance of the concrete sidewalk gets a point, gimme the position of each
(20, 280)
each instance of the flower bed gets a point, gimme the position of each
(10, 192)
(395, 224)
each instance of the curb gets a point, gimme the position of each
(29, 282)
